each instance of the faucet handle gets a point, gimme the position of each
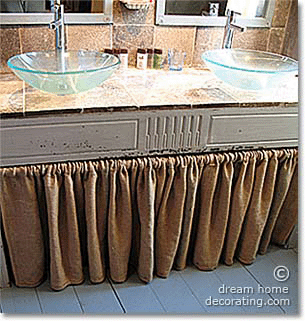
(232, 13)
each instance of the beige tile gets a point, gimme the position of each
(93, 37)
(10, 46)
(11, 94)
(207, 38)
(175, 37)
(290, 45)
(133, 37)
(122, 15)
(276, 40)
(37, 39)
(281, 13)
(255, 39)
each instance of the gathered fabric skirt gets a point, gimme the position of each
(153, 213)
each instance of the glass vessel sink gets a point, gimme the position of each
(68, 72)
(250, 69)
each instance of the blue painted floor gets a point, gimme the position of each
(237, 289)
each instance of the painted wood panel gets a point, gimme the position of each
(71, 137)
(254, 128)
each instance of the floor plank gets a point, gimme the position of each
(187, 291)
(98, 298)
(263, 271)
(205, 286)
(238, 277)
(58, 302)
(175, 295)
(137, 297)
(18, 300)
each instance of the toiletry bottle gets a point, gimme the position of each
(157, 60)
(116, 52)
(124, 57)
(108, 51)
(150, 58)
(142, 58)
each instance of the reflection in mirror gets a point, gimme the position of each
(247, 8)
(254, 13)
(39, 11)
(41, 6)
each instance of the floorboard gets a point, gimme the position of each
(137, 297)
(189, 291)
(175, 295)
(245, 289)
(17, 300)
(205, 286)
(263, 271)
(98, 298)
(58, 302)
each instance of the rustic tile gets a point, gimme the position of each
(281, 13)
(206, 95)
(290, 45)
(10, 46)
(252, 38)
(207, 38)
(37, 39)
(11, 95)
(181, 38)
(89, 37)
(133, 37)
(122, 15)
(276, 40)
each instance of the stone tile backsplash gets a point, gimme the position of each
(133, 29)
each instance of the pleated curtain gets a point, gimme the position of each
(154, 214)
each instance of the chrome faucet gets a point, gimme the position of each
(58, 24)
(230, 27)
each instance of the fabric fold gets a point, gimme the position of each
(152, 214)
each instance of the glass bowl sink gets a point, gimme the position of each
(68, 72)
(250, 69)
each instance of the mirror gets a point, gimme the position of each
(254, 13)
(39, 11)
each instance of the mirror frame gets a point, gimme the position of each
(207, 21)
(70, 18)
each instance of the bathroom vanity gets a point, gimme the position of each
(140, 113)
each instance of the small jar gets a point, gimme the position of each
(142, 58)
(124, 57)
(158, 59)
(150, 53)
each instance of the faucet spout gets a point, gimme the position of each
(230, 27)
(58, 24)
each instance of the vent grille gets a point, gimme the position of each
(173, 132)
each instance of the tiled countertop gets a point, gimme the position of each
(136, 89)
